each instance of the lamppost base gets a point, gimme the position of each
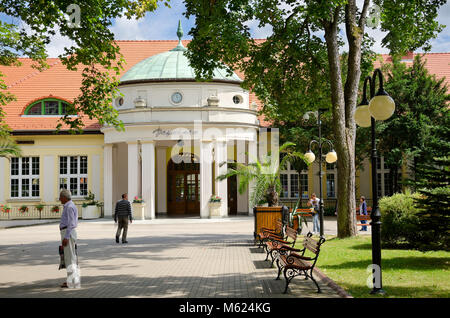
(377, 292)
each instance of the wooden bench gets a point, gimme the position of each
(297, 214)
(363, 218)
(293, 262)
(273, 244)
(267, 233)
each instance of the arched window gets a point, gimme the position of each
(49, 107)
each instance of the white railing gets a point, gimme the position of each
(32, 212)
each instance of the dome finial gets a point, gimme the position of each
(179, 31)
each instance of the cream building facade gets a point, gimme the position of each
(179, 135)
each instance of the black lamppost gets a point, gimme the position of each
(331, 157)
(380, 107)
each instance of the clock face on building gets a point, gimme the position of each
(177, 97)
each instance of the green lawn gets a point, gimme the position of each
(406, 273)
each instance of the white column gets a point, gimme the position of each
(48, 182)
(252, 156)
(220, 168)
(108, 180)
(161, 177)
(148, 178)
(133, 170)
(95, 176)
(205, 177)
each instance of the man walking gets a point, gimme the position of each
(363, 211)
(122, 214)
(67, 227)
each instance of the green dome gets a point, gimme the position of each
(170, 66)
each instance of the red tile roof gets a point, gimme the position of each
(436, 63)
(28, 84)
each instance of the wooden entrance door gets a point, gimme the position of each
(232, 195)
(183, 188)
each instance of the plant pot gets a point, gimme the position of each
(214, 209)
(267, 217)
(90, 212)
(138, 211)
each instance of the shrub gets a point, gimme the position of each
(400, 220)
(329, 211)
(434, 215)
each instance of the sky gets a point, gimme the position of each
(162, 25)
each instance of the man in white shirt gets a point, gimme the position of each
(67, 227)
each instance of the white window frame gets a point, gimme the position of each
(288, 172)
(330, 172)
(20, 177)
(70, 175)
(381, 177)
(287, 184)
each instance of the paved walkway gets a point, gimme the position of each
(189, 258)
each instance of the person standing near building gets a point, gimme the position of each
(314, 202)
(67, 227)
(363, 211)
(122, 214)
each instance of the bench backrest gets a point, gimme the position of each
(292, 234)
(305, 212)
(311, 244)
(363, 217)
(279, 226)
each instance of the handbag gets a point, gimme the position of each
(62, 264)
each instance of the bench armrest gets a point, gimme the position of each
(280, 240)
(275, 237)
(301, 257)
(287, 247)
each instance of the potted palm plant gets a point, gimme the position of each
(264, 176)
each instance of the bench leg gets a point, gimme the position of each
(288, 279)
(274, 257)
(315, 282)
(279, 270)
(267, 256)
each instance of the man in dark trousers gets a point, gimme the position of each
(122, 214)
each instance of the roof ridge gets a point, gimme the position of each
(34, 73)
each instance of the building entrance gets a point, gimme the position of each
(183, 187)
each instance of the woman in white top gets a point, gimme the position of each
(314, 202)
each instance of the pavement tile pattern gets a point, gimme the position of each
(195, 259)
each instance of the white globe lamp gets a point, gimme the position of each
(382, 106)
(310, 157)
(331, 157)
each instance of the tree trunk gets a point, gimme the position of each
(272, 196)
(344, 104)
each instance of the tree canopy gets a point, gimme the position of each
(421, 107)
(300, 66)
(94, 51)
